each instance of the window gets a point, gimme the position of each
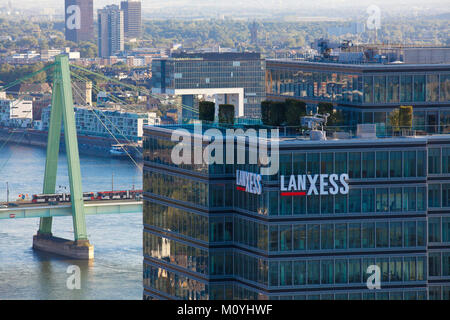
(286, 238)
(434, 230)
(368, 235)
(368, 201)
(341, 236)
(313, 163)
(409, 199)
(395, 269)
(313, 237)
(434, 160)
(406, 93)
(419, 88)
(355, 200)
(382, 164)
(382, 235)
(395, 199)
(409, 169)
(434, 195)
(434, 264)
(354, 270)
(382, 200)
(421, 163)
(273, 273)
(341, 162)
(273, 238)
(327, 238)
(286, 273)
(396, 234)
(446, 160)
(327, 269)
(314, 272)
(299, 273)
(354, 231)
(327, 163)
(299, 237)
(341, 271)
(368, 165)
(355, 165)
(410, 234)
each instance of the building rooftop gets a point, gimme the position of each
(296, 135)
(360, 67)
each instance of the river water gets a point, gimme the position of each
(115, 273)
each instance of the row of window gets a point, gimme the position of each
(439, 229)
(175, 252)
(372, 164)
(367, 200)
(177, 188)
(439, 195)
(174, 284)
(302, 272)
(439, 264)
(176, 220)
(329, 236)
(353, 88)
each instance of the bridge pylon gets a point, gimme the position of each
(62, 111)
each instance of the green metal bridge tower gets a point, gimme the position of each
(62, 111)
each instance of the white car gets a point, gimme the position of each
(2, 206)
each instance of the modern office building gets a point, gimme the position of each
(132, 11)
(110, 31)
(366, 93)
(231, 77)
(311, 231)
(79, 17)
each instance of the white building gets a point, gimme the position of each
(16, 113)
(118, 122)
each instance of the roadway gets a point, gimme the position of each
(26, 209)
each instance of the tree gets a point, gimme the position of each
(273, 113)
(206, 111)
(226, 113)
(406, 117)
(335, 118)
(295, 109)
(394, 120)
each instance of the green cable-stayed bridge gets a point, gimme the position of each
(62, 112)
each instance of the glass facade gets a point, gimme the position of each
(206, 239)
(212, 71)
(367, 93)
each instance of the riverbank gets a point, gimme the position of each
(98, 146)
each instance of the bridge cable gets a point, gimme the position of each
(106, 117)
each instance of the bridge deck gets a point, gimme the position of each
(29, 210)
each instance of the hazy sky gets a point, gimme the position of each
(299, 7)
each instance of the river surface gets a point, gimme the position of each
(115, 273)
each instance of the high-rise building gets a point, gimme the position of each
(110, 31)
(132, 10)
(229, 77)
(335, 211)
(79, 24)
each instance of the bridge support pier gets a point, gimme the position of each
(80, 250)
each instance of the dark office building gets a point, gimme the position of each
(309, 232)
(132, 10)
(232, 77)
(366, 93)
(79, 24)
